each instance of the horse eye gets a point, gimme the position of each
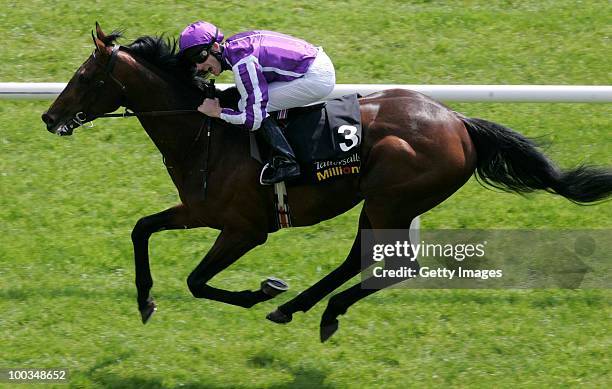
(99, 83)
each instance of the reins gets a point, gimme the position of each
(129, 113)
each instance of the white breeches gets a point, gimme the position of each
(314, 86)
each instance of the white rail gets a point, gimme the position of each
(466, 93)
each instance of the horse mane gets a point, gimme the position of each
(109, 39)
(161, 52)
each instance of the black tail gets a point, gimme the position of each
(509, 161)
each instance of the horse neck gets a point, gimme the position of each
(172, 134)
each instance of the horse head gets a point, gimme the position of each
(93, 90)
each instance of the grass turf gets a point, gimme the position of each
(68, 205)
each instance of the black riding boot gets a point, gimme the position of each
(282, 163)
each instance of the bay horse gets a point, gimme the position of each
(415, 153)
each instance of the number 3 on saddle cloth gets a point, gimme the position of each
(326, 139)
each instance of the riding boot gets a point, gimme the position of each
(282, 164)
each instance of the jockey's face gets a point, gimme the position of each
(212, 64)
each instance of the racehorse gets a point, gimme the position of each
(415, 153)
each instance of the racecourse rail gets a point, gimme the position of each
(459, 93)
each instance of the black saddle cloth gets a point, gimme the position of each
(326, 138)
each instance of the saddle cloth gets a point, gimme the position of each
(326, 139)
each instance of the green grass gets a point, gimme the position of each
(68, 205)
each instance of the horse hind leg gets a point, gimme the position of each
(424, 175)
(382, 215)
(393, 209)
(311, 296)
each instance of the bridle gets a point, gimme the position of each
(209, 92)
(111, 65)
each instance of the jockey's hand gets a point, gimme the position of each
(210, 107)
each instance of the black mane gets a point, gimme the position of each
(161, 52)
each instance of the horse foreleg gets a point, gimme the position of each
(311, 296)
(228, 248)
(170, 219)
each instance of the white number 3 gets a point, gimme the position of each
(349, 134)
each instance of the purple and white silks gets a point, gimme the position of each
(258, 58)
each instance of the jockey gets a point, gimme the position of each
(272, 71)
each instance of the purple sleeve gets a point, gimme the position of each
(253, 89)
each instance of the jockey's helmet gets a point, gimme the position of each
(196, 39)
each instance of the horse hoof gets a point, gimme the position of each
(278, 317)
(148, 311)
(273, 286)
(327, 330)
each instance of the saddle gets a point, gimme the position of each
(325, 137)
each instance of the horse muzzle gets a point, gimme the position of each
(66, 128)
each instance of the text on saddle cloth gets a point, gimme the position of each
(326, 139)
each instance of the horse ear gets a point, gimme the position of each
(99, 33)
(100, 46)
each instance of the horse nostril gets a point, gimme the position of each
(48, 120)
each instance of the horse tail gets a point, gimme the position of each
(512, 162)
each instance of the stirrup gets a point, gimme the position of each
(266, 166)
(277, 171)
